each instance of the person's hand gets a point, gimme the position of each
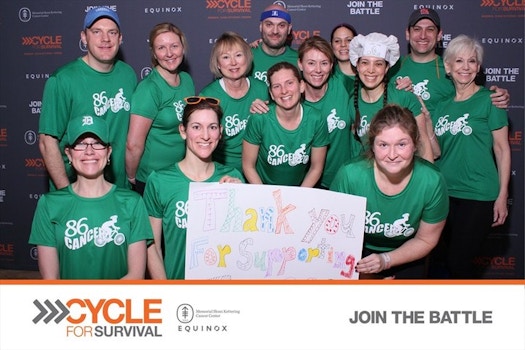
(230, 179)
(373, 263)
(500, 98)
(259, 106)
(500, 211)
(255, 44)
(404, 83)
(425, 111)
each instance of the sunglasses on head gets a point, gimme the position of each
(193, 100)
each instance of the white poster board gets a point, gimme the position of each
(244, 231)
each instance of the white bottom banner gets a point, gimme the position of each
(262, 316)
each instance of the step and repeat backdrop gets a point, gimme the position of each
(37, 37)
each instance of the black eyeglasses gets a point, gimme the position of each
(82, 146)
(193, 100)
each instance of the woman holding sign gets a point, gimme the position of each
(166, 193)
(407, 201)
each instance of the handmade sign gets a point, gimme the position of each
(243, 231)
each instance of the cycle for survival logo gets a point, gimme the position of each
(103, 317)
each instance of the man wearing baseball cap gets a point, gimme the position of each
(105, 92)
(425, 67)
(429, 81)
(275, 27)
(97, 13)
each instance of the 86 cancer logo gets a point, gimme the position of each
(112, 317)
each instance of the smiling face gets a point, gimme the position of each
(233, 63)
(423, 38)
(463, 67)
(393, 150)
(316, 67)
(89, 163)
(285, 88)
(371, 71)
(168, 50)
(202, 133)
(102, 41)
(341, 43)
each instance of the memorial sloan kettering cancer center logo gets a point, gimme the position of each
(209, 320)
(127, 318)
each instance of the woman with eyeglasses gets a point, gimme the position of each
(231, 60)
(286, 145)
(166, 193)
(91, 229)
(153, 139)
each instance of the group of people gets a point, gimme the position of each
(347, 115)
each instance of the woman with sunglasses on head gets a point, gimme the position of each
(166, 193)
(231, 60)
(90, 229)
(153, 139)
(286, 145)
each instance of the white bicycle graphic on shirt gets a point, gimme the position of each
(109, 231)
(400, 227)
(461, 125)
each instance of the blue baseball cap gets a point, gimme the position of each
(97, 13)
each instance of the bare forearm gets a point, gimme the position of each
(252, 176)
(136, 261)
(312, 177)
(155, 263)
(412, 250)
(424, 147)
(52, 156)
(133, 155)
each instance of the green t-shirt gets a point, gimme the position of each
(236, 114)
(368, 110)
(429, 80)
(91, 235)
(349, 80)
(464, 131)
(284, 155)
(335, 109)
(155, 99)
(262, 61)
(392, 220)
(76, 90)
(166, 197)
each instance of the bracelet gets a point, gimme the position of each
(386, 260)
(131, 179)
(433, 137)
